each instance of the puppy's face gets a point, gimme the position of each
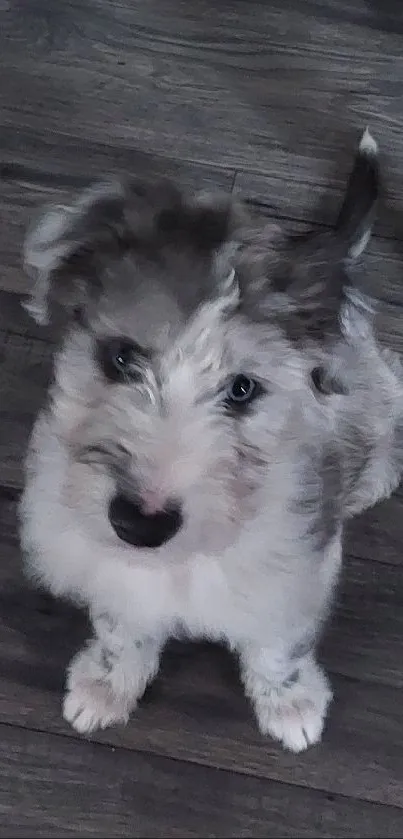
(171, 416)
(182, 378)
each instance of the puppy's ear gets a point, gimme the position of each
(357, 214)
(314, 275)
(60, 247)
(63, 251)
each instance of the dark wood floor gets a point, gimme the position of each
(267, 99)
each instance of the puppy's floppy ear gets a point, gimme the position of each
(64, 249)
(60, 246)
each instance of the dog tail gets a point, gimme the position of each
(357, 214)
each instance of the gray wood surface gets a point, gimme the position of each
(267, 99)
(56, 787)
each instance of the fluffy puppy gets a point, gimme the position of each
(219, 407)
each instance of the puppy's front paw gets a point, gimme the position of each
(92, 698)
(295, 712)
(89, 705)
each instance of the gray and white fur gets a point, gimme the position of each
(220, 407)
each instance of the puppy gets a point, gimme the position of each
(220, 407)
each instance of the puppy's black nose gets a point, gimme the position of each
(141, 530)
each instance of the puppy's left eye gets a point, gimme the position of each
(242, 390)
(120, 360)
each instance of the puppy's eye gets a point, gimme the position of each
(120, 359)
(242, 390)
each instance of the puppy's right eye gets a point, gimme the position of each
(120, 360)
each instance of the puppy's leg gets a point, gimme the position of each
(290, 695)
(105, 679)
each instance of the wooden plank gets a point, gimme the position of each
(196, 710)
(378, 533)
(57, 160)
(50, 786)
(365, 640)
(267, 87)
(25, 366)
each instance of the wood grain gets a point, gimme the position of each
(51, 786)
(259, 87)
(24, 373)
(57, 160)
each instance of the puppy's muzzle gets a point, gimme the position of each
(139, 529)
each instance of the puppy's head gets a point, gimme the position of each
(195, 358)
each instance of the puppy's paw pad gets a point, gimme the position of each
(90, 705)
(295, 715)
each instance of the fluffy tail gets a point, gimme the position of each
(357, 213)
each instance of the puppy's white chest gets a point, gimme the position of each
(202, 596)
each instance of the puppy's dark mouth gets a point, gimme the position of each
(136, 528)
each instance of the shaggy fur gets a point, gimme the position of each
(163, 495)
